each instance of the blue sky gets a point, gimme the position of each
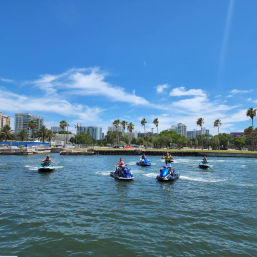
(91, 62)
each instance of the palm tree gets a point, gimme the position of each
(42, 133)
(156, 123)
(22, 135)
(251, 113)
(63, 125)
(31, 125)
(6, 133)
(124, 124)
(200, 123)
(217, 123)
(130, 129)
(116, 124)
(143, 122)
(50, 135)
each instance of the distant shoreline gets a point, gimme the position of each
(150, 152)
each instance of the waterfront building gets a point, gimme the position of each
(4, 120)
(22, 120)
(132, 134)
(142, 135)
(57, 129)
(60, 139)
(95, 132)
(180, 128)
(113, 128)
(194, 133)
(236, 134)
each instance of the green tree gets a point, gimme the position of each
(200, 123)
(130, 129)
(63, 125)
(42, 133)
(84, 138)
(156, 123)
(6, 134)
(32, 125)
(217, 123)
(116, 124)
(239, 142)
(22, 135)
(224, 140)
(50, 135)
(251, 113)
(143, 122)
(124, 124)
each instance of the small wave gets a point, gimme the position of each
(27, 166)
(131, 163)
(103, 173)
(33, 168)
(202, 179)
(150, 175)
(184, 160)
(58, 167)
(243, 165)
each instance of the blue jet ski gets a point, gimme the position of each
(166, 176)
(46, 167)
(122, 173)
(204, 165)
(144, 162)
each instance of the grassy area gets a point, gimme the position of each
(167, 150)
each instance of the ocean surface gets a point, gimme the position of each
(79, 210)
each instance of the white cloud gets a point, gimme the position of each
(12, 102)
(181, 91)
(160, 88)
(237, 91)
(88, 82)
(6, 80)
(238, 116)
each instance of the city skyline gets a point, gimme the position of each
(159, 60)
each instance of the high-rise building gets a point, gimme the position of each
(4, 120)
(56, 129)
(95, 132)
(22, 120)
(194, 133)
(180, 128)
(236, 134)
(113, 128)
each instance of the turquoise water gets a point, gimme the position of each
(79, 210)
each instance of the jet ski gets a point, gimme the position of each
(122, 173)
(204, 165)
(166, 176)
(46, 167)
(144, 162)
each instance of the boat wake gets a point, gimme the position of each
(202, 179)
(150, 175)
(104, 173)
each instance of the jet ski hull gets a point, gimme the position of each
(143, 164)
(204, 165)
(169, 178)
(46, 169)
(116, 176)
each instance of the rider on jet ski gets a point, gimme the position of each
(143, 158)
(47, 161)
(204, 159)
(120, 164)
